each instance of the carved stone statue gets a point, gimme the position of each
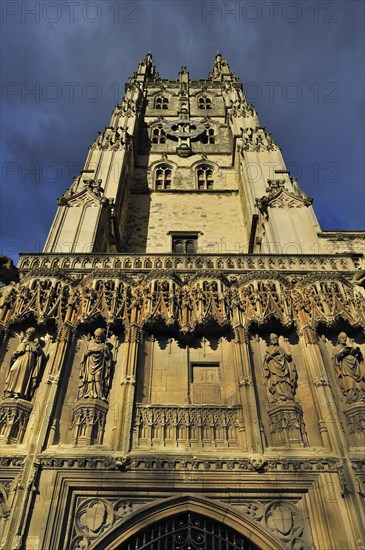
(280, 372)
(8, 271)
(25, 368)
(95, 369)
(349, 365)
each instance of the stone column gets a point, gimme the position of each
(329, 422)
(35, 438)
(128, 384)
(255, 437)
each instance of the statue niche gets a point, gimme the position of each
(287, 426)
(348, 362)
(25, 367)
(96, 369)
(280, 373)
(89, 415)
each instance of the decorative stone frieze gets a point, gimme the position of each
(189, 302)
(88, 422)
(83, 264)
(14, 416)
(287, 427)
(258, 140)
(155, 461)
(204, 426)
(355, 416)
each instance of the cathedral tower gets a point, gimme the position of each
(183, 365)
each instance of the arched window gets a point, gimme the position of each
(158, 134)
(208, 136)
(163, 175)
(161, 102)
(204, 102)
(204, 175)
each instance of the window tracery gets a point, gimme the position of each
(204, 174)
(208, 136)
(163, 176)
(158, 134)
(161, 102)
(204, 102)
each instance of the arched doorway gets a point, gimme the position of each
(187, 523)
(188, 531)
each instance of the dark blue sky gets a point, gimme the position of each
(64, 65)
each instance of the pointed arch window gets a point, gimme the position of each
(204, 174)
(161, 102)
(208, 136)
(158, 134)
(163, 177)
(204, 102)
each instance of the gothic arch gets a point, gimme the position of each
(222, 513)
(194, 165)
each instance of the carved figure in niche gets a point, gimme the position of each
(96, 369)
(25, 367)
(280, 372)
(349, 365)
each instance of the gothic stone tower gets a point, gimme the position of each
(183, 366)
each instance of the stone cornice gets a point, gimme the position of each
(228, 263)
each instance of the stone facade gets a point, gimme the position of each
(189, 345)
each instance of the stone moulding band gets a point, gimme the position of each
(245, 262)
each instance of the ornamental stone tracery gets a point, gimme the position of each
(184, 300)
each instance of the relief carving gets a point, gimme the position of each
(283, 519)
(94, 516)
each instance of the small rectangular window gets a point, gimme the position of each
(185, 244)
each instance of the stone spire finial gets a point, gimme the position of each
(146, 66)
(221, 70)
